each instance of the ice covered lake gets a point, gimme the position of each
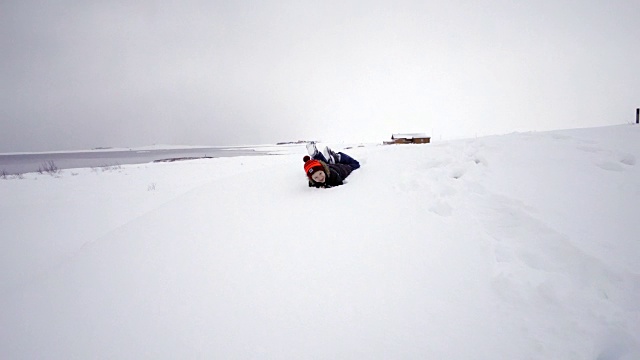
(18, 163)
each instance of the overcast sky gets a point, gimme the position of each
(78, 74)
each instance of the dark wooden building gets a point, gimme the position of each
(409, 139)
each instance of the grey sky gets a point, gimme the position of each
(81, 74)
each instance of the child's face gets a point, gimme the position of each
(318, 177)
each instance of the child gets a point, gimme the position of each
(327, 169)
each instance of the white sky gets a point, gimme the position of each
(83, 74)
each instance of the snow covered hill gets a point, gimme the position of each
(522, 246)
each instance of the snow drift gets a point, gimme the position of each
(523, 246)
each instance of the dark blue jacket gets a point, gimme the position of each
(334, 174)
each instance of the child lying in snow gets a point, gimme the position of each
(327, 169)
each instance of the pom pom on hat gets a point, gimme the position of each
(306, 158)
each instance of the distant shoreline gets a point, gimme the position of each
(20, 163)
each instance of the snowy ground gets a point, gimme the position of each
(523, 246)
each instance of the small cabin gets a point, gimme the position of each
(409, 139)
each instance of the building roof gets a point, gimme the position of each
(409, 136)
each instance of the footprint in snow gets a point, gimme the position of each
(590, 149)
(441, 208)
(610, 166)
(478, 160)
(457, 172)
(627, 159)
(523, 245)
(614, 161)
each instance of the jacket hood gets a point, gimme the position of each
(326, 170)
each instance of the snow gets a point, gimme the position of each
(520, 246)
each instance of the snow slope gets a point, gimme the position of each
(522, 246)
